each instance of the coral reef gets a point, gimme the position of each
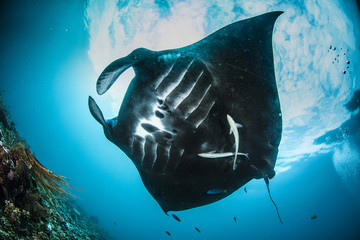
(35, 203)
(8, 134)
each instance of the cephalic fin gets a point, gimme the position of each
(98, 115)
(96, 112)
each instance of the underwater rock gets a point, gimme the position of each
(35, 202)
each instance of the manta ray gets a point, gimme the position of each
(199, 121)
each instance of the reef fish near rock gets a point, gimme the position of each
(177, 113)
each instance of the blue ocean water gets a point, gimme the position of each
(52, 52)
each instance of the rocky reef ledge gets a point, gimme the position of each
(36, 203)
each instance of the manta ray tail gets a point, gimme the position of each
(267, 186)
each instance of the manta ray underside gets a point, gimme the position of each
(200, 121)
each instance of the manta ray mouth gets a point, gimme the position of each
(106, 80)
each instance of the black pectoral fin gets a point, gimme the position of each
(243, 48)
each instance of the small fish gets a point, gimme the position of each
(235, 219)
(176, 218)
(197, 229)
(313, 217)
(213, 154)
(216, 191)
(245, 190)
(115, 223)
(233, 129)
(168, 233)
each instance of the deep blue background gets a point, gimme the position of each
(46, 77)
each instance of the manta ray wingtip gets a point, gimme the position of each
(278, 13)
(271, 17)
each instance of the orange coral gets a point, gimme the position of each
(49, 182)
